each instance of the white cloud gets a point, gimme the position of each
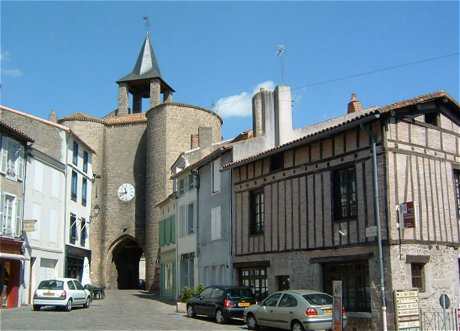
(12, 72)
(239, 105)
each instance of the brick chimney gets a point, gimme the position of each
(354, 105)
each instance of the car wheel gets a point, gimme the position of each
(37, 307)
(220, 318)
(190, 311)
(88, 301)
(296, 326)
(68, 307)
(251, 322)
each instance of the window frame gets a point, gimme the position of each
(75, 151)
(351, 206)
(73, 232)
(85, 161)
(277, 162)
(14, 215)
(251, 277)
(434, 118)
(84, 191)
(74, 185)
(216, 185)
(456, 177)
(256, 212)
(83, 232)
(420, 277)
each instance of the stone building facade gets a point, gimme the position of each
(137, 149)
(304, 213)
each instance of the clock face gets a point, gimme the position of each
(126, 192)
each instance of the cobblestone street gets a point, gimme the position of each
(120, 310)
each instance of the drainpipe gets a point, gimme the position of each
(377, 221)
(196, 179)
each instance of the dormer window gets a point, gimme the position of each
(432, 118)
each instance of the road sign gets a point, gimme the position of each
(28, 225)
(407, 310)
(337, 305)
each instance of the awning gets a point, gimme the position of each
(12, 256)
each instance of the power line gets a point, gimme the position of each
(397, 66)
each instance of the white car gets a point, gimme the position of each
(61, 292)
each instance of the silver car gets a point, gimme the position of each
(61, 292)
(296, 310)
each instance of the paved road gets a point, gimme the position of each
(120, 310)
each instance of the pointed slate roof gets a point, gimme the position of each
(146, 65)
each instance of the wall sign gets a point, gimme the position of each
(407, 310)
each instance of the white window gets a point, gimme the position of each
(55, 189)
(216, 176)
(12, 159)
(38, 176)
(11, 215)
(216, 223)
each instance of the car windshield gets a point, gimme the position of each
(318, 299)
(51, 285)
(240, 293)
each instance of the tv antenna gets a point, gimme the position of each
(146, 23)
(280, 50)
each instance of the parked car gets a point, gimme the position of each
(221, 302)
(296, 310)
(61, 292)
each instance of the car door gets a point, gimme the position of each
(72, 291)
(202, 302)
(285, 311)
(264, 314)
(80, 292)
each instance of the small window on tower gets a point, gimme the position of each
(432, 118)
(277, 162)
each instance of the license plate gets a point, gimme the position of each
(48, 294)
(244, 304)
(327, 311)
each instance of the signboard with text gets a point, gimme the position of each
(407, 310)
(337, 305)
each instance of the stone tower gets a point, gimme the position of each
(135, 148)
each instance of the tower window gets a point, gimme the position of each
(432, 118)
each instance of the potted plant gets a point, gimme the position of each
(186, 294)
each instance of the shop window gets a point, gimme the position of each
(345, 201)
(257, 212)
(418, 276)
(255, 278)
(355, 284)
(432, 118)
(276, 162)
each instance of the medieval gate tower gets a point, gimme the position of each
(134, 153)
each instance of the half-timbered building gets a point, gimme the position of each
(304, 213)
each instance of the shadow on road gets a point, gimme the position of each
(154, 297)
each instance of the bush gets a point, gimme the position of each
(188, 293)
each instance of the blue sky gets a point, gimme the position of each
(67, 56)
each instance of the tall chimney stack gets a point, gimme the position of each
(354, 105)
(283, 114)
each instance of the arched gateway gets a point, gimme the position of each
(123, 264)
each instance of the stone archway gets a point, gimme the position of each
(125, 257)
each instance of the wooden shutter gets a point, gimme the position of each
(18, 217)
(4, 154)
(173, 231)
(20, 163)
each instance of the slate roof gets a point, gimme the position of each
(312, 131)
(113, 120)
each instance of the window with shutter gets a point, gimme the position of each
(190, 218)
(9, 215)
(20, 163)
(173, 231)
(11, 161)
(216, 223)
(216, 176)
(4, 155)
(19, 210)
